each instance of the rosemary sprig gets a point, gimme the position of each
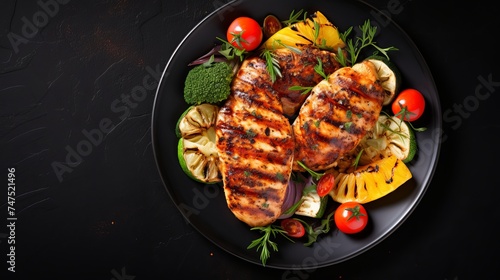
(354, 47)
(321, 45)
(272, 65)
(401, 116)
(341, 58)
(264, 243)
(398, 133)
(404, 115)
(278, 43)
(319, 69)
(305, 90)
(294, 17)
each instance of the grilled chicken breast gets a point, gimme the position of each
(297, 69)
(336, 115)
(255, 145)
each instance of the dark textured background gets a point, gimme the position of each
(110, 217)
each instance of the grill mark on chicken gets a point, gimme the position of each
(297, 69)
(336, 115)
(256, 142)
(255, 145)
(253, 178)
(257, 156)
(252, 211)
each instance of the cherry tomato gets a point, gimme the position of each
(351, 217)
(409, 104)
(325, 184)
(245, 33)
(293, 227)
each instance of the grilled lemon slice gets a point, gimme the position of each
(316, 30)
(370, 182)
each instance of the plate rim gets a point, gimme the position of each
(384, 235)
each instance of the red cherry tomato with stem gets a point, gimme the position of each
(293, 227)
(245, 33)
(351, 217)
(325, 184)
(409, 105)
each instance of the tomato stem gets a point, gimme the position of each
(238, 39)
(355, 213)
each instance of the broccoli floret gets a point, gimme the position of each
(208, 83)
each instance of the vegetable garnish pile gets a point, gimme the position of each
(370, 168)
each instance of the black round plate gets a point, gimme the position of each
(204, 206)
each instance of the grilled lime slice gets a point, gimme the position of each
(196, 119)
(389, 76)
(389, 136)
(181, 119)
(312, 206)
(196, 149)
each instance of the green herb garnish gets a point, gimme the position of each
(314, 232)
(294, 17)
(264, 242)
(356, 161)
(272, 65)
(354, 47)
(230, 52)
(319, 69)
(313, 173)
(304, 90)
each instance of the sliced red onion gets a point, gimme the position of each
(293, 194)
(289, 196)
(218, 57)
